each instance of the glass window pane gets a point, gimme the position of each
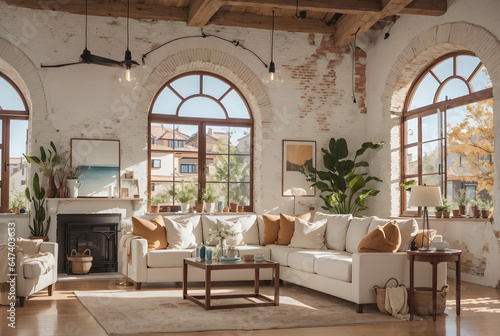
(430, 127)
(481, 80)
(453, 89)
(221, 191)
(444, 69)
(163, 191)
(187, 86)
(18, 168)
(411, 161)
(239, 168)
(465, 65)
(185, 138)
(239, 193)
(217, 139)
(431, 157)
(235, 106)
(217, 168)
(240, 140)
(456, 115)
(186, 188)
(202, 107)
(214, 87)
(411, 130)
(166, 102)
(424, 95)
(9, 97)
(432, 180)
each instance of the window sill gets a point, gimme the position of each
(451, 219)
(10, 214)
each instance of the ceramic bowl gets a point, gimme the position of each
(440, 246)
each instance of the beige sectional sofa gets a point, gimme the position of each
(336, 269)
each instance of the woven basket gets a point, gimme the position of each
(423, 300)
(80, 262)
(380, 295)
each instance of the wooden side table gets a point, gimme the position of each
(434, 257)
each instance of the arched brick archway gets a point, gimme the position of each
(236, 65)
(421, 51)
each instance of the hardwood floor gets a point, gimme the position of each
(62, 314)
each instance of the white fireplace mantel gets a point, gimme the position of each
(54, 203)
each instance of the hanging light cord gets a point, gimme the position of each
(272, 39)
(203, 35)
(353, 47)
(128, 15)
(86, 15)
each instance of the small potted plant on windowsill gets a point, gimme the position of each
(443, 210)
(185, 192)
(17, 201)
(475, 208)
(155, 201)
(463, 200)
(486, 208)
(209, 197)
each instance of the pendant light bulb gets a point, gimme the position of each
(128, 80)
(272, 80)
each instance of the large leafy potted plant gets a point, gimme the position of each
(345, 189)
(41, 221)
(48, 165)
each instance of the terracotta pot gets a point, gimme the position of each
(456, 213)
(476, 212)
(226, 209)
(241, 208)
(463, 209)
(446, 214)
(438, 214)
(234, 207)
(199, 206)
(51, 190)
(155, 208)
(44, 238)
(485, 213)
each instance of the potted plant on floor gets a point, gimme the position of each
(185, 192)
(345, 189)
(486, 208)
(48, 165)
(209, 197)
(39, 230)
(463, 200)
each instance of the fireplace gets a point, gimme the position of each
(96, 232)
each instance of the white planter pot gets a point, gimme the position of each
(209, 207)
(185, 207)
(73, 186)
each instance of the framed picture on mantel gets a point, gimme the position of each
(297, 154)
(100, 159)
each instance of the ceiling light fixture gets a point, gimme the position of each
(86, 57)
(272, 80)
(301, 14)
(128, 63)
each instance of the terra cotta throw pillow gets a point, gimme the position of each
(381, 239)
(287, 227)
(271, 228)
(153, 231)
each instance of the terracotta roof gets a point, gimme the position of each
(168, 148)
(166, 133)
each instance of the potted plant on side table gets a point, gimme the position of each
(39, 230)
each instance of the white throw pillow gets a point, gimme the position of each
(180, 234)
(358, 229)
(376, 222)
(336, 229)
(308, 235)
(231, 226)
(408, 229)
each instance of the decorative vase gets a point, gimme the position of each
(209, 207)
(73, 186)
(184, 206)
(51, 188)
(220, 249)
(62, 191)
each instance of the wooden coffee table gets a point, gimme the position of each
(210, 266)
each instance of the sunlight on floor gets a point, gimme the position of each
(483, 305)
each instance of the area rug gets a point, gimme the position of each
(153, 311)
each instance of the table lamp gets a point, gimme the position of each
(425, 196)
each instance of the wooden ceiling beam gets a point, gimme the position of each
(351, 25)
(138, 11)
(264, 22)
(426, 7)
(327, 6)
(200, 11)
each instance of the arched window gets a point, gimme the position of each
(14, 136)
(201, 141)
(447, 132)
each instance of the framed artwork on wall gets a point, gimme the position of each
(297, 153)
(100, 160)
(129, 187)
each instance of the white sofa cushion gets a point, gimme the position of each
(180, 233)
(304, 260)
(358, 228)
(336, 265)
(279, 253)
(249, 226)
(42, 265)
(336, 229)
(168, 257)
(308, 235)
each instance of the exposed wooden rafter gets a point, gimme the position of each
(358, 16)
